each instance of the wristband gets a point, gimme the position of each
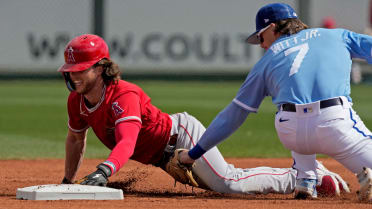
(196, 152)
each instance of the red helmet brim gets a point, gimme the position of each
(77, 67)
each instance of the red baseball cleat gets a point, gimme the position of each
(330, 184)
(329, 187)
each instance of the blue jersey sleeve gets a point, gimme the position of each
(359, 45)
(225, 123)
(253, 90)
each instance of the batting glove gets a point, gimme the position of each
(97, 178)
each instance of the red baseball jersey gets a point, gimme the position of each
(123, 102)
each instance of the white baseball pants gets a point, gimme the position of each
(336, 131)
(222, 177)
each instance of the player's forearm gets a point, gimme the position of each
(75, 148)
(226, 123)
(126, 134)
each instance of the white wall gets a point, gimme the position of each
(156, 34)
(177, 34)
(349, 14)
(150, 35)
(25, 23)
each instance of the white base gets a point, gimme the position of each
(69, 192)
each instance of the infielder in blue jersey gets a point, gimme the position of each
(307, 74)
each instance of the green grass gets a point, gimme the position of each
(33, 117)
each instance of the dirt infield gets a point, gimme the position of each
(150, 187)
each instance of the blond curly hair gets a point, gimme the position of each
(111, 71)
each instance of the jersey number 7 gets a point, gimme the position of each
(303, 48)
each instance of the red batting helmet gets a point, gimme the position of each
(84, 51)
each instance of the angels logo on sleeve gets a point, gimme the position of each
(117, 109)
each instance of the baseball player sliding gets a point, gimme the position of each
(307, 74)
(125, 121)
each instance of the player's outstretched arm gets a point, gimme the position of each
(75, 148)
(126, 134)
(225, 123)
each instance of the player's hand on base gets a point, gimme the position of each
(97, 178)
(185, 158)
(66, 181)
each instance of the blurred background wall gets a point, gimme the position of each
(154, 37)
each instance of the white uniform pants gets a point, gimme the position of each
(219, 176)
(336, 131)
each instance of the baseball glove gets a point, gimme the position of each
(179, 171)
